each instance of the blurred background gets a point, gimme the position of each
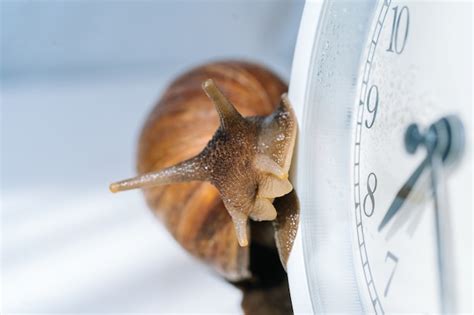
(77, 81)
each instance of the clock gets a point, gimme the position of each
(383, 95)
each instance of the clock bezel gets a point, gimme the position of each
(324, 243)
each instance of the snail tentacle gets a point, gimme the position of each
(263, 210)
(240, 221)
(227, 113)
(286, 224)
(278, 134)
(185, 171)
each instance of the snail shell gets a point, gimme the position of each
(240, 168)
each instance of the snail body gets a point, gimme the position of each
(207, 166)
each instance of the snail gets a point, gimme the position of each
(213, 162)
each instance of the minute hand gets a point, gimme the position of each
(403, 193)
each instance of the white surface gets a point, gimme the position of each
(82, 38)
(69, 245)
(101, 255)
(78, 79)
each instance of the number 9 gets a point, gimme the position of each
(372, 99)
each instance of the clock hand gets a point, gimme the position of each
(443, 237)
(403, 194)
(413, 138)
(444, 143)
(446, 140)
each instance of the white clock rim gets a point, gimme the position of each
(302, 301)
(296, 269)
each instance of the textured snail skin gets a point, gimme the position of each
(178, 128)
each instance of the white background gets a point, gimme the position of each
(77, 80)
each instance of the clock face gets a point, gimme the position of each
(375, 68)
(407, 76)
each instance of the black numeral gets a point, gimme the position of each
(372, 104)
(369, 199)
(397, 43)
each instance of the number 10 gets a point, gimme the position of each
(395, 44)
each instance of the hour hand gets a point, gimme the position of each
(403, 194)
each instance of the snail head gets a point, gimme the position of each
(247, 160)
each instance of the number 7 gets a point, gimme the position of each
(391, 256)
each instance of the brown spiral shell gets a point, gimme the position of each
(178, 128)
